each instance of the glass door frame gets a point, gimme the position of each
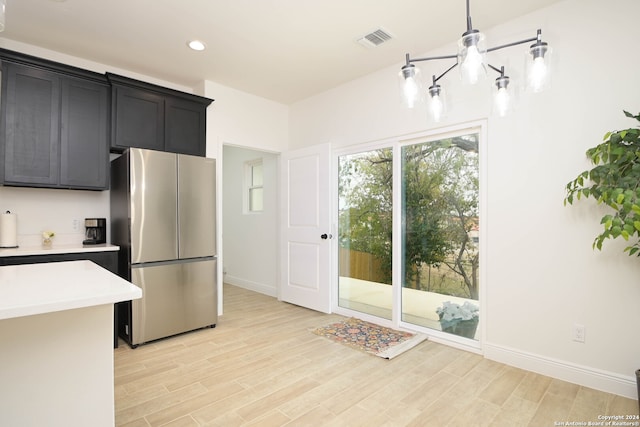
(396, 144)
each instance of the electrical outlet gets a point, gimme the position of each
(75, 225)
(578, 332)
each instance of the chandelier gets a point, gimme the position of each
(472, 63)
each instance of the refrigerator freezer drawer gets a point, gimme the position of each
(176, 297)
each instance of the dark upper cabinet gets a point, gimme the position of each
(185, 127)
(58, 122)
(31, 125)
(84, 136)
(138, 118)
(54, 125)
(154, 117)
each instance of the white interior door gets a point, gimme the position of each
(305, 244)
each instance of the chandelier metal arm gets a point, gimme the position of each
(435, 79)
(499, 70)
(429, 58)
(538, 39)
(529, 40)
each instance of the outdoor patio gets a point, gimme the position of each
(419, 307)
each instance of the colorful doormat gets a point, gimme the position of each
(374, 339)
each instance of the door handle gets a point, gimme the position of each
(326, 236)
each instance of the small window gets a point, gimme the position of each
(253, 186)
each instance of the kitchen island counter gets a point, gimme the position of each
(43, 288)
(56, 331)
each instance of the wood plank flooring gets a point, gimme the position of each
(261, 366)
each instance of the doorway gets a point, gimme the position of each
(250, 218)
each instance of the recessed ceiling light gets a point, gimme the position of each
(196, 45)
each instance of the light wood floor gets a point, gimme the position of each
(262, 367)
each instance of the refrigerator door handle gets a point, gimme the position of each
(173, 261)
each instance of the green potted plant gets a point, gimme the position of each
(615, 182)
(459, 319)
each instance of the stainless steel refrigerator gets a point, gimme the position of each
(163, 219)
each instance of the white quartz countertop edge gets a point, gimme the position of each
(56, 249)
(31, 289)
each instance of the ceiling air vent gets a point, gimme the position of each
(375, 38)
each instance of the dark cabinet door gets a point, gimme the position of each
(31, 132)
(84, 144)
(55, 130)
(138, 119)
(154, 117)
(185, 127)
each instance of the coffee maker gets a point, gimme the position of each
(95, 231)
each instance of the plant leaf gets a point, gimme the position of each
(614, 182)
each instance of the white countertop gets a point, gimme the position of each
(30, 289)
(55, 248)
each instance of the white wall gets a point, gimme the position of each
(250, 239)
(40, 209)
(85, 63)
(542, 275)
(245, 120)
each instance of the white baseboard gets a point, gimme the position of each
(249, 285)
(609, 382)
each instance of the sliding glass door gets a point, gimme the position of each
(365, 217)
(440, 234)
(438, 222)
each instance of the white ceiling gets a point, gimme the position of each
(283, 50)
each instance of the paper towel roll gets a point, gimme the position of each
(8, 230)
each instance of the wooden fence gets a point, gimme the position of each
(360, 265)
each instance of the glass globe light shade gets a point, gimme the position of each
(502, 97)
(538, 67)
(410, 85)
(435, 104)
(471, 57)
